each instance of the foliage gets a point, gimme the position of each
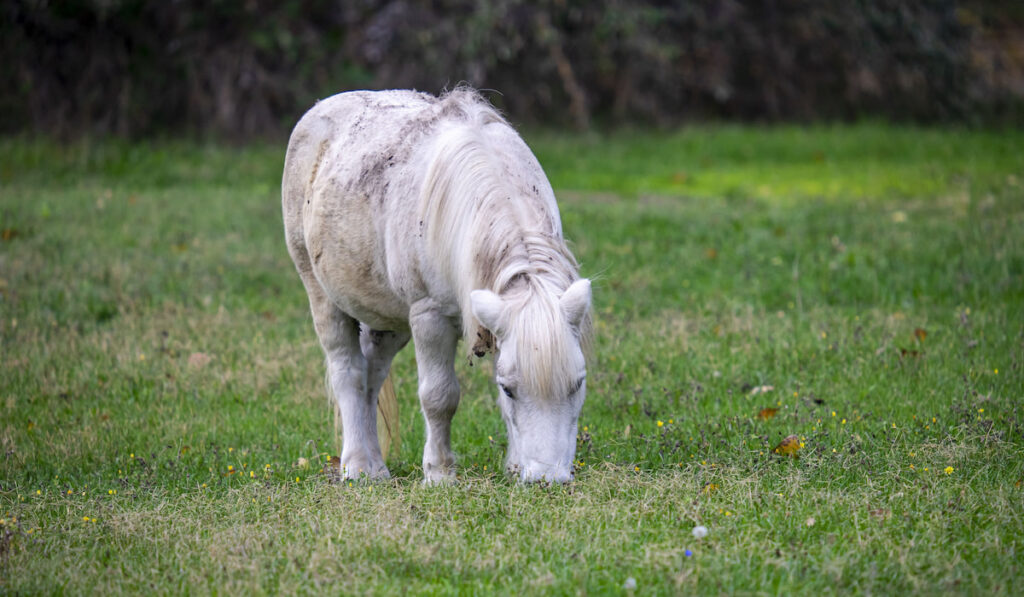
(244, 69)
(164, 423)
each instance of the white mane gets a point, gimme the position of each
(493, 224)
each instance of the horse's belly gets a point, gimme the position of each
(348, 260)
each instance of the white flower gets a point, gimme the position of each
(699, 532)
(630, 584)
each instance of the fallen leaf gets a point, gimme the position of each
(332, 468)
(761, 390)
(9, 233)
(909, 353)
(199, 360)
(788, 446)
(920, 334)
(880, 513)
(767, 413)
(711, 253)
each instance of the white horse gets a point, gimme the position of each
(412, 215)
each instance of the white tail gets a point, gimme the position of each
(388, 432)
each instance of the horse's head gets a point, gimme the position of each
(540, 370)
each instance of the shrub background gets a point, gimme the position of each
(249, 69)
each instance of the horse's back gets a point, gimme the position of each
(337, 178)
(340, 132)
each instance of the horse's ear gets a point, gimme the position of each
(489, 310)
(575, 302)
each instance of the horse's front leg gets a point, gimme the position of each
(434, 338)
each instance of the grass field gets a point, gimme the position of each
(860, 287)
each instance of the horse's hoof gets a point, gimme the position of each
(439, 476)
(355, 472)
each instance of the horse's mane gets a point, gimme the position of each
(488, 233)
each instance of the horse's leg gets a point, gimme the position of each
(379, 348)
(347, 371)
(435, 338)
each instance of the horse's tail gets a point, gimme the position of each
(387, 418)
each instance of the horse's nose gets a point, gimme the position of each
(535, 472)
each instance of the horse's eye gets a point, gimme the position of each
(508, 392)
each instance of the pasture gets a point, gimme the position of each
(164, 419)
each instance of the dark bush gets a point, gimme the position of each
(250, 68)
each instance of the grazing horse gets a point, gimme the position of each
(409, 215)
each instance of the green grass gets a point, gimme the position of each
(726, 258)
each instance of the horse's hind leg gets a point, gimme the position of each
(379, 348)
(348, 372)
(435, 338)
